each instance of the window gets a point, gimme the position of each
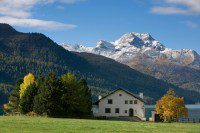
(125, 111)
(126, 102)
(135, 101)
(110, 101)
(120, 95)
(117, 110)
(131, 102)
(107, 110)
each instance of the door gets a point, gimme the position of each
(131, 113)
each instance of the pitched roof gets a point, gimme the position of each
(137, 97)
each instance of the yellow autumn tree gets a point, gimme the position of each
(28, 80)
(170, 107)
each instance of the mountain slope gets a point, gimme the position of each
(21, 53)
(145, 54)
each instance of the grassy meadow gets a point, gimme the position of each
(20, 124)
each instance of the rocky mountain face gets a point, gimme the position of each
(147, 55)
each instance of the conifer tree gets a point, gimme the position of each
(85, 101)
(14, 98)
(70, 97)
(48, 99)
(26, 101)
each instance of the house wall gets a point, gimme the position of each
(119, 102)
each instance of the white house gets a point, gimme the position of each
(120, 103)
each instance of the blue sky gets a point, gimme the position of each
(175, 23)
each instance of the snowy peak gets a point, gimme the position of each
(139, 41)
(105, 45)
(135, 45)
(185, 56)
(77, 48)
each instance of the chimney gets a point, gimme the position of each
(100, 97)
(141, 95)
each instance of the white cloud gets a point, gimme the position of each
(16, 8)
(40, 24)
(168, 10)
(65, 1)
(178, 7)
(193, 5)
(181, 7)
(18, 12)
(191, 24)
(60, 7)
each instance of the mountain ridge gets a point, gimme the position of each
(147, 55)
(130, 40)
(22, 53)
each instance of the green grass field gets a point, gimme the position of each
(19, 124)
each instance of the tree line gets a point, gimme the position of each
(64, 96)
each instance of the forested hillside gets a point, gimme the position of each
(4, 94)
(21, 53)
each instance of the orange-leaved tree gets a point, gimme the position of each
(170, 106)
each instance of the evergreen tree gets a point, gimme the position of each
(13, 105)
(85, 101)
(26, 101)
(39, 106)
(70, 97)
(76, 98)
(48, 98)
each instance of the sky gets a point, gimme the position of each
(175, 23)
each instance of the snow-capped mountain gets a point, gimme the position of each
(145, 54)
(132, 45)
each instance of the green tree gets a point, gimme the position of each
(76, 98)
(70, 96)
(48, 99)
(26, 101)
(14, 98)
(85, 99)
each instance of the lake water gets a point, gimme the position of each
(193, 110)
